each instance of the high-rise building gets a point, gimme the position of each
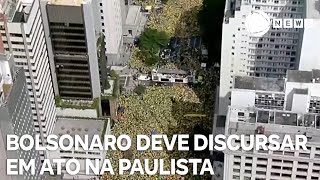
(268, 106)
(270, 55)
(23, 36)
(15, 118)
(74, 46)
(121, 23)
(111, 18)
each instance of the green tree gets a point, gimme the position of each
(150, 43)
(140, 89)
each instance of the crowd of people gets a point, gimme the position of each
(178, 18)
(162, 109)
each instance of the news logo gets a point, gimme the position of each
(258, 23)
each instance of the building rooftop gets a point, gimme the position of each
(313, 9)
(246, 120)
(171, 71)
(304, 76)
(259, 83)
(18, 17)
(79, 126)
(67, 2)
(133, 14)
(300, 91)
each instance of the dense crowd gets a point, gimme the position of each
(178, 18)
(159, 110)
(162, 109)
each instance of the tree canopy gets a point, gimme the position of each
(150, 43)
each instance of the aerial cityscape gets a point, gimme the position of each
(92, 68)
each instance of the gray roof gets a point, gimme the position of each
(133, 15)
(316, 75)
(300, 76)
(171, 71)
(304, 76)
(276, 122)
(79, 126)
(300, 91)
(259, 83)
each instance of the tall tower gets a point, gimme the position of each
(72, 40)
(23, 36)
(112, 17)
(15, 117)
(270, 55)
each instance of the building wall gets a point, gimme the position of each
(289, 115)
(111, 21)
(268, 56)
(232, 62)
(287, 164)
(309, 51)
(74, 57)
(26, 42)
(16, 118)
(82, 127)
(91, 36)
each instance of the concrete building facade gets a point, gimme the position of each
(23, 36)
(309, 50)
(270, 55)
(111, 24)
(15, 118)
(275, 106)
(72, 45)
(81, 127)
(121, 24)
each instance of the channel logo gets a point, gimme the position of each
(258, 23)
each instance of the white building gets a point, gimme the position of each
(81, 127)
(309, 50)
(275, 106)
(268, 56)
(121, 23)
(23, 37)
(111, 26)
